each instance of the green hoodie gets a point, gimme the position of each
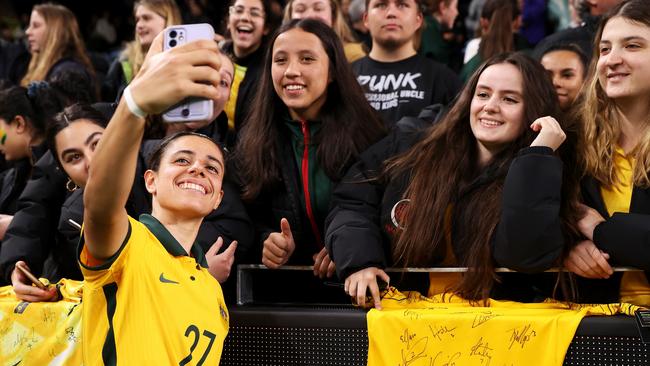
(319, 185)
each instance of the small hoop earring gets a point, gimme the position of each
(71, 186)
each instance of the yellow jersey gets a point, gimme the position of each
(635, 288)
(151, 303)
(447, 330)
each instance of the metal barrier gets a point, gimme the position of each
(336, 334)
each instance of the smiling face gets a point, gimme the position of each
(392, 23)
(623, 69)
(247, 26)
(189, 177)
(148, 25)
(300, 72)
(497, 108)
(566, 70)
(36, 32)
(315, 9)
(75, 148)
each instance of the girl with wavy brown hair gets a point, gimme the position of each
(56, 44)
(483, 188)
(615, 150)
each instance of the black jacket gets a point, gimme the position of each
(29, 235)
(283, 201)
(624, 236)
(14, 180)
(114, 83)
(360, 224)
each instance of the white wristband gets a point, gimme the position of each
(133, 106)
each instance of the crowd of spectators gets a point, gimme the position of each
(350, 136)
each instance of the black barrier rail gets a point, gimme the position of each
(336, 334)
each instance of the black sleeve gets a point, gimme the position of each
(114, 82)
(229, 221)
(529, 235)
(446, 87)
(626, 238)
(64, 255)
(34, 224)
(353, 231)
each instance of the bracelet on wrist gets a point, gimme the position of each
(132, 105)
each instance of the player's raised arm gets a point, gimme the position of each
(165, 79)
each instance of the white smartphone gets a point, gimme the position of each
(189, 109)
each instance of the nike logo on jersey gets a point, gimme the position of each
(165, 280)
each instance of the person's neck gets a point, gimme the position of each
(634, 121)
(382, 54)
(241, 53)
(184, 230)
(485, 155)
(35, 141)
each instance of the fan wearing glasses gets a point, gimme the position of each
(249, 23)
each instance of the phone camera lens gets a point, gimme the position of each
(172, 43)
(185, 112)
(172, 34)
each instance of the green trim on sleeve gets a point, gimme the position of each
(109, 262)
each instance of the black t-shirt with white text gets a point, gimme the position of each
(404, 88)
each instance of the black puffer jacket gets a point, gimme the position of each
(283, 201)
(14, 180)
(624, 236)
(528, 237)
(31, 230)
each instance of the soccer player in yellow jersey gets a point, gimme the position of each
(149, 298)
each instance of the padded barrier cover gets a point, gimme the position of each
(337, 335)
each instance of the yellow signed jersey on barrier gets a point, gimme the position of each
(152, 304)
(413, 330)
(41, 333)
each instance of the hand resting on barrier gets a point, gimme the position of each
(586, 260)
(359, 282)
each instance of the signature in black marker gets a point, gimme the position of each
(521, 335)
(439, 331)
(415, 348)
(483, 317)
(482, 349)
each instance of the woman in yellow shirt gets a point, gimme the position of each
(616, 156)
(148, 297)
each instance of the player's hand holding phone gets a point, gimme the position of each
(167, 78)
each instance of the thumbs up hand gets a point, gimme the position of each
(278, 247)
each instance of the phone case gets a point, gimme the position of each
(189, 109)
(31, 277)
